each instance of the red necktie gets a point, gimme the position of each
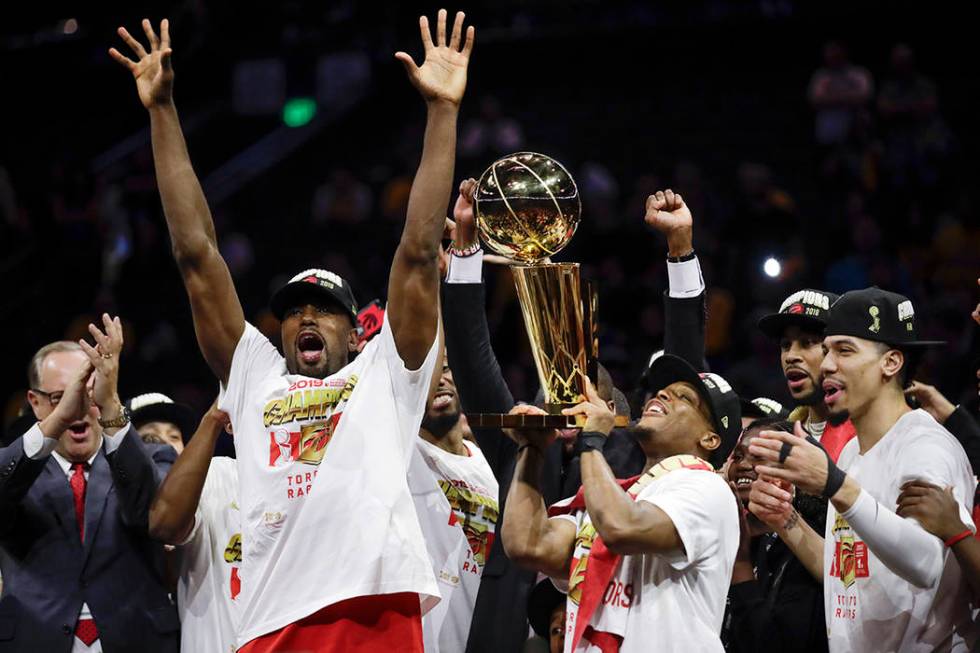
(77, 483)
(85, 629)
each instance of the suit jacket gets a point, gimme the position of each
(500, 616)
(48, 573)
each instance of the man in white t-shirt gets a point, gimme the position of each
(888, 584)
(646, 561)
(196, 507)
(467, 481)
(333, 557)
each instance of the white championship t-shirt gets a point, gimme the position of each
(666, 602)
(867, 606)
(326, 510)
(207, 592)
(471, 489)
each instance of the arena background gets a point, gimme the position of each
(708, 98)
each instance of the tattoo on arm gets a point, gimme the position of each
(792, 521)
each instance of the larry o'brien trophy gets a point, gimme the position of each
(527, 208)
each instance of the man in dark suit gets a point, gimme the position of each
(80, 572)
(499, 618)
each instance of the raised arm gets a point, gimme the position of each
(218, 317)
(173, 509)
(413, 287)
(684, 301)
(530, 538)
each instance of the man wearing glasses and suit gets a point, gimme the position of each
(79, 569)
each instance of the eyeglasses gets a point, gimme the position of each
(52, 397)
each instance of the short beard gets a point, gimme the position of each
(836, 419)
(814, 398)
(441, 424)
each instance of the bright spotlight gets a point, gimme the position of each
(772, 268)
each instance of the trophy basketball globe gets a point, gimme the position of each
(528, 208)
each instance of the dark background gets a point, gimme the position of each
(708, 98)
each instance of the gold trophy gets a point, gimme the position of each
(527, 208)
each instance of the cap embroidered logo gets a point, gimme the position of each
(876, 324)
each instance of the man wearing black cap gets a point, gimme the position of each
(159, 419)
(647, 559)
(306, 473)
(798, 328)
(888, 584)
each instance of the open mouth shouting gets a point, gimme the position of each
(310, 346)
(79, 431)
(833, 391)
(655, 407)
(796, 379)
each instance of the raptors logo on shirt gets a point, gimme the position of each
(850, 560)
(309, 399)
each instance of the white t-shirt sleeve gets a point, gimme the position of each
(253, 359)
(410, 387)
(696, 502)
(933, 458)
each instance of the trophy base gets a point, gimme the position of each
(507, 421)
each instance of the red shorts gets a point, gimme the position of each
(365, 624)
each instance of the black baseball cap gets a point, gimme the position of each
(542, 601)
(723, 402)
(877, 315)
(158, 407)
(807, 309)
(761, 407)
(314, 284)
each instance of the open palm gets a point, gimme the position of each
(442, 75)
(153, 73)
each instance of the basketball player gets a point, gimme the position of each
(332, 561)
(888, 584)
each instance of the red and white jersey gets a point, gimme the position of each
(471, 489)
(211, 557)
(326, 510)
(867, 606)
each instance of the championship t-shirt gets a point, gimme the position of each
(867, 606)
(665, 602)
(210, 581)
(326, 510)
(471, 489)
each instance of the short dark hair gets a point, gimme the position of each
(771, 424)
(912, 357)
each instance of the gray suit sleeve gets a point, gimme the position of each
(17, 474)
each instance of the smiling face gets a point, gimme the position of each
(741, 471)
(676, 420)
(81, 439)
(855, 371)
(317, 339)
(801, 356)
(443, 410)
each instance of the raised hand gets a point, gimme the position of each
(153, 73)
(464, 231)
(537, 438)
(599, 418)
(74, 402)
(442, 76)
(104, 357)
(667, 213)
